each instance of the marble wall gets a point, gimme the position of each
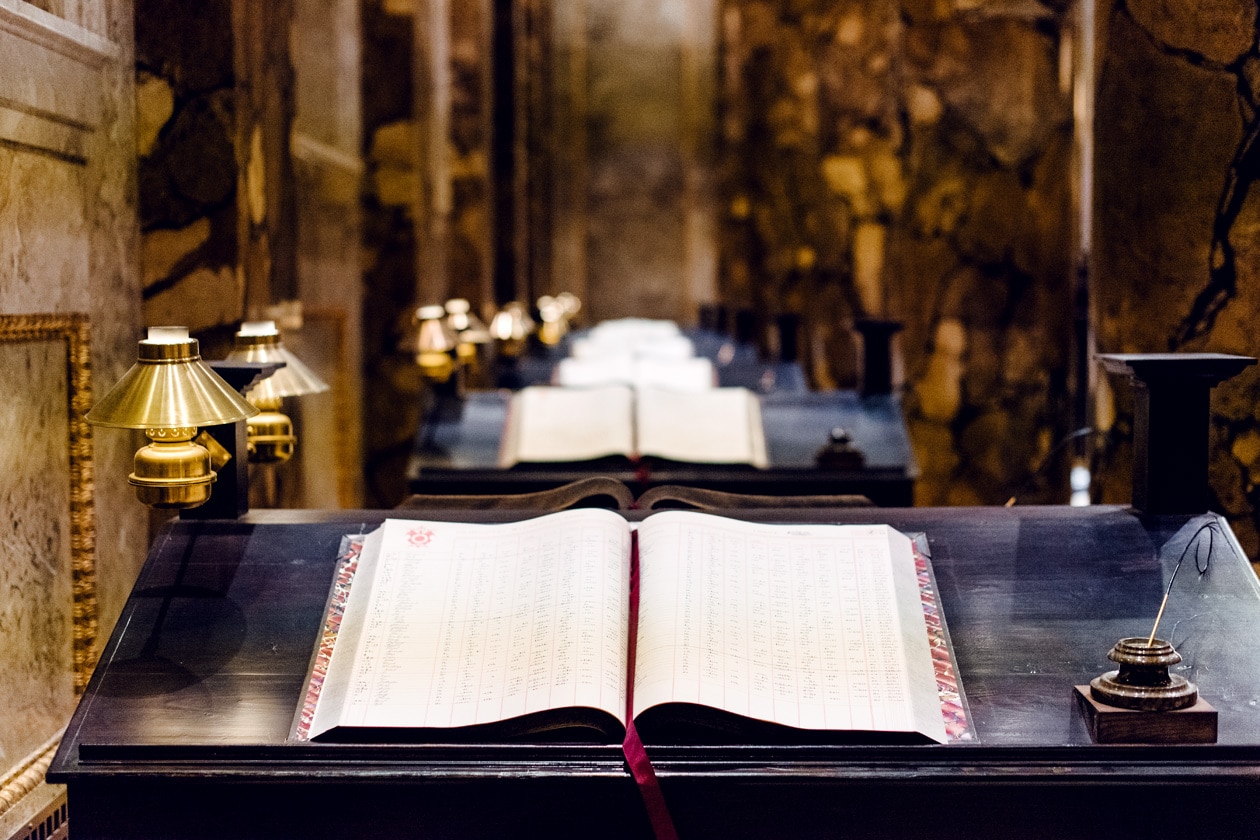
(36, 626)
(1178, 225)
(910, 160)
(249, 169)
(391, 189)
(629, 158)
(327, 174)
(188, 170)
(913, 160)
(67, 245)
(430, 232)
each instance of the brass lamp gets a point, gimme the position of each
(570, 303)
(433, 342)
(554, 320)
(510, 327)
(270, 433)
(470, 331)
(169, 392)
(556, 314)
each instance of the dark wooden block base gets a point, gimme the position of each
(1113, 725)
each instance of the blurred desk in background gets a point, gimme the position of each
(458, 453)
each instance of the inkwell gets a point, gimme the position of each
(1142, 701)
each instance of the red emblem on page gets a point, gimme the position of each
(419, 536)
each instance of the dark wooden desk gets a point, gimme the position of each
(182, 732)
(459, 455)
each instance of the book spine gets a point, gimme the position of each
(632, 747)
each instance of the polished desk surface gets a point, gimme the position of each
(459, 454)
(183, 729)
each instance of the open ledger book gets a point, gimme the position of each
(769, 633)
(717, 426)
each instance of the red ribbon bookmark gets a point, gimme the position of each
(636, 756)
(649, 787)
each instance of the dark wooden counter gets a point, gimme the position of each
(182, 732)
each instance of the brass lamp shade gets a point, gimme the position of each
(510, 327)
(433, 334)
(570, 303)
(170, 387)
(433, 342)
(512, 323)
(470, 331)
(259, 341)
(464, 322)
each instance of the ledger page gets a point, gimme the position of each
(547, 424)
(812, 626)
(717, 426)
(453, 624)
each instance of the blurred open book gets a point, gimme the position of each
(716, 426)
(698, 627)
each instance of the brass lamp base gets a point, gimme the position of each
(172, 472)
(270, 438)
(551, 333)
(435, 366)
(466, 353)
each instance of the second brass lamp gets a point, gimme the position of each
(433, 342)
(270, 433)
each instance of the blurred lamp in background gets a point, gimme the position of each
(433, 343)
(510, 328)
(556, 314)
(470, 331)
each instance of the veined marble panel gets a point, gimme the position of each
(635, 213)
(36, 631)
(50, 90)
(324, 468)
(332, 173)
(326, 47)
(328, 172)
(329, 442)
(43, 254)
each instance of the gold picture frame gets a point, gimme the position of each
(73, 331)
